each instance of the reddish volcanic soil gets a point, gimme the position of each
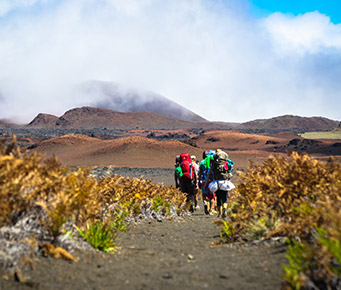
(141, 152)
(79, 150)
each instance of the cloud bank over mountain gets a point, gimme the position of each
(120, 98)
(213, 57)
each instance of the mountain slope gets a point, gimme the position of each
(90, 118)
(44, 121)
(291, 123)
(116, 97)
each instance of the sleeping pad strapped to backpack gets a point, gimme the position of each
(186, 167)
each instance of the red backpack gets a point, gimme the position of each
(186, 167)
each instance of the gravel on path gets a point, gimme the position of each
(172, 254)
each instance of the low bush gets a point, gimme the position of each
(97, 207)
(297, 197)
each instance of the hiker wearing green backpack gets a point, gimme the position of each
(207, 196)
(220, 173)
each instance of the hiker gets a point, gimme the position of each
(220, 172)
(187, 177)
(196, 187)
(207, 196)
(177, 171)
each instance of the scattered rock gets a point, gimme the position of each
(212, 139)
(271, 142)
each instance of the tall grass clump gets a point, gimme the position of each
(296, 197)
(99, 208)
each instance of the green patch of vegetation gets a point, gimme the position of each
(299, 257)
(100, 235)
(158, 203)
(333, 246)
(227, 231)
(335, 134)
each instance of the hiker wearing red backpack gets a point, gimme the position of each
(187, 177)
(220, 172)
(177, 171)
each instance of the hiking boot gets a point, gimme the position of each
(191, 209)
(206, 209)
(197, 207)
(224, 213)
(214, 211)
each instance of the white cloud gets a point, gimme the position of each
(308, 33)
(213, 58)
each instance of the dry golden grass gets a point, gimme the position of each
(286, 191)
(26, 181)
(296, 197)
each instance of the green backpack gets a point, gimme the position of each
(178, 172)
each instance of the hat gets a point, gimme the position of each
(193, 157)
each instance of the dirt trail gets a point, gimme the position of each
(164, 255)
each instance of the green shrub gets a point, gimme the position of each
(100, 235)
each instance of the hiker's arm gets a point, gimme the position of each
(176, 181)
(208, 177)
(199, 174)
(196, 178)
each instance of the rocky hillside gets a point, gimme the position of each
(291, 124)
(91, 118)
(44, 121)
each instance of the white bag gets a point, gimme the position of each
(225, 185)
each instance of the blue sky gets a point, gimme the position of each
(331, 8)
(226, 60)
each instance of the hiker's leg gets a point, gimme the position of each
(219, 203)
(206, 203)
(191, 196)
(196, 197)
(206, 200)
(212, 201)
(224, 201)
(192, 201)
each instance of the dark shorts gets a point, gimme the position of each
(222, 197)
(208, 197)
(187, 187)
